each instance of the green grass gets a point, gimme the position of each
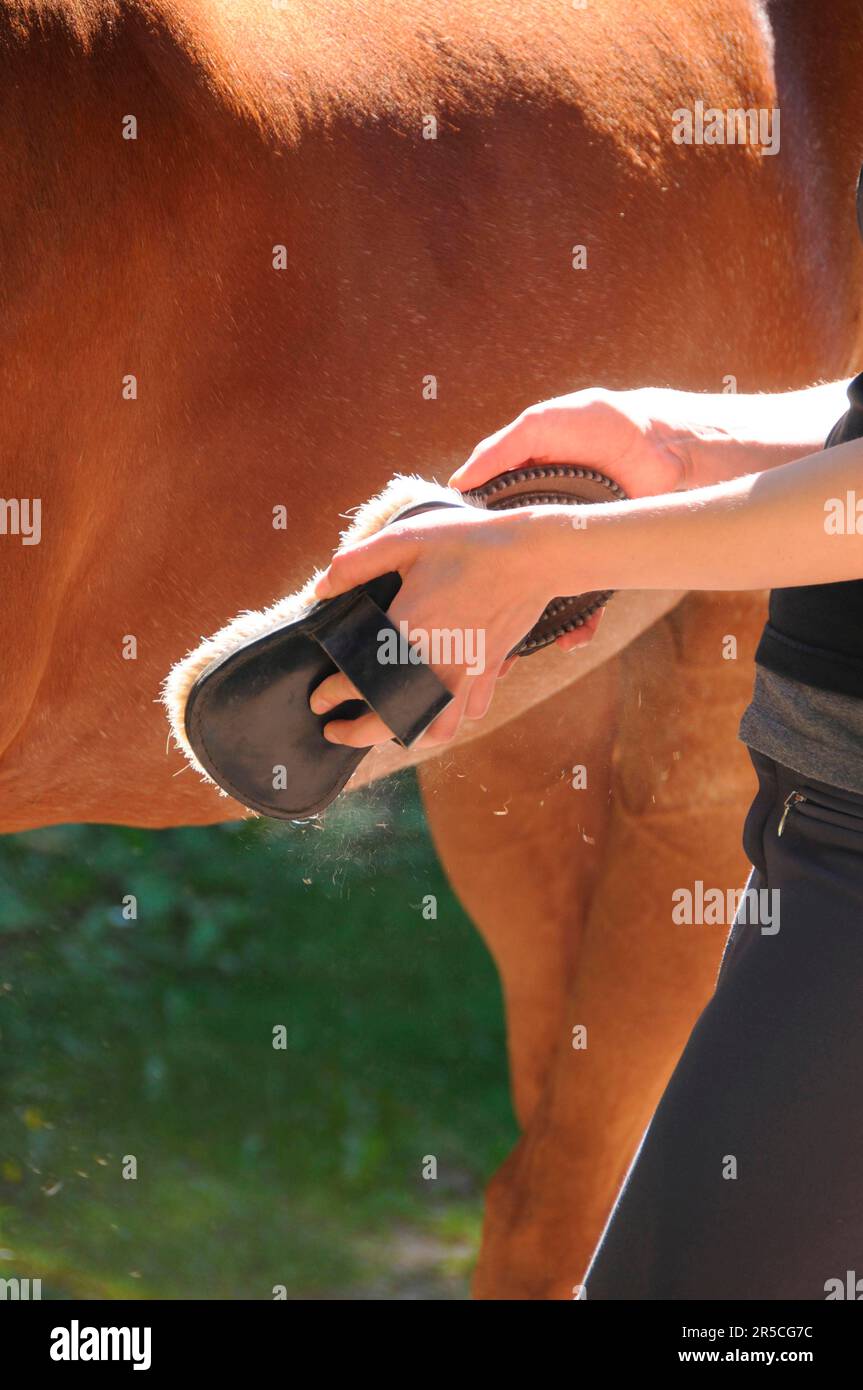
(154, 1038)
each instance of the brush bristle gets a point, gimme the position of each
(371, 517)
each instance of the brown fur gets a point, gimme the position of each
(303, 127)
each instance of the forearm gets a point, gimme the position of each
(764, 530)
(718, 437)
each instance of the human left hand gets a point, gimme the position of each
(480, 574)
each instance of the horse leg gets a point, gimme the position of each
(630, 977)
(521, 848)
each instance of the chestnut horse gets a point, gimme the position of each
(260, 256)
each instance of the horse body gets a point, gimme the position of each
(172, 376)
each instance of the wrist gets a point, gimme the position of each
(706, 435)
(717, 437)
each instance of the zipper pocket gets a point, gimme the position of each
(819, 811)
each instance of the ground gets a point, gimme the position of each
(152, 1039)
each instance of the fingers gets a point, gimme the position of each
(572, 641)
(363, 732)
(480, 695)
(366, 560)
(332, 692)
(446, 726)
(369, 729)
(580, 636)
(507, 448)
(582, 427)
(470, 701)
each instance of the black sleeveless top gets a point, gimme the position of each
(814, 633)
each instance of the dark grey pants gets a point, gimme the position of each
(749, 1180)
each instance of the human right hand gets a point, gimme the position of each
(626, 435)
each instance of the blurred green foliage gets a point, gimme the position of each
(154, 1038)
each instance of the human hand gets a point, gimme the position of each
(628, 435)
(475, 574)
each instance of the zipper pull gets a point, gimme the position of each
(792, 799)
